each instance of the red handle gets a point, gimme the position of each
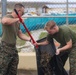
(25, 27)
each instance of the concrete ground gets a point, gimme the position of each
(30, 72)
(27, 72)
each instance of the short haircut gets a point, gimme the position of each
(18, 5)
(49, 24)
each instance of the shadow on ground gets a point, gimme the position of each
(29, 72)
(26, 72)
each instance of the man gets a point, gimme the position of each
(8, 53)
(67, 39)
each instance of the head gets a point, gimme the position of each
(51, 27)
(20, 8)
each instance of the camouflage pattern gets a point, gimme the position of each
(72, 59)
(8, 59)
(45, 59)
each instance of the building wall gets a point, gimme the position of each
(59, 10)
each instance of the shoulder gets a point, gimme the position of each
(64, 28)
(8, 16)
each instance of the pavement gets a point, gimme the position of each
(29, 72)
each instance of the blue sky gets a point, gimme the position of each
(42, 0)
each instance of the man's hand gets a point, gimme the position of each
(57, 51)
(33, 42)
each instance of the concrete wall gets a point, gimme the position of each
(27, 61)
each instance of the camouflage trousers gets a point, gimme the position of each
(8, 60)
(72, 60)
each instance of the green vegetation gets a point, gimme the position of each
(73, 27)
(21, 42)
(43, 34)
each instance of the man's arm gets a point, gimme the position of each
(8, 21)
(23, 36)
(67, 46)
(43, 43)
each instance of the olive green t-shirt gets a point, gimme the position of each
(63, 36)
(10, 32)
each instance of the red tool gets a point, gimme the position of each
(25, 27)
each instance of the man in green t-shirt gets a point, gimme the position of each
(8, 53)
(67, 39)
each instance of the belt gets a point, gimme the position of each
(7, 44)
